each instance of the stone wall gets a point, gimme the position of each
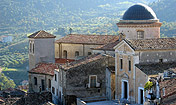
(44, 51)
(154, 56)
(36, 88)
(77, 79)
(83, 50)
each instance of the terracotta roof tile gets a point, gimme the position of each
(85, 60)
(110, 46)
(41, 34)
(44, 68)
(87, 39)
(155, 68)
(152, 44)
(63, 61)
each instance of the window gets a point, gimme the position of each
(33, 48)
(57, 92)
(129, 65)
(140, 34)
(76, 53)
(49, 83)
(121, 64)
(160, 60)
(35, 80)
(55, 77)
(30, 47)
(89, 53)
(53, 90)
(93, 81)
(65, 54)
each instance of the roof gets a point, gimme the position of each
(152, 44)
(87, 39)
(110, 46)
(44, 68)
(139, 12)
(111, 68)
(155, 68)
(85, 60)
(41, 34)
(62, 61)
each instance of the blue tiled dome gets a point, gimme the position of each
(139, 12)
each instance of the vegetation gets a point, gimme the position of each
(6, 82)
(148, 86)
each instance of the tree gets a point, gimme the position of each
(5, 82)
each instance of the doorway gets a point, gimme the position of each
(125, 89)
(140, 95)
(43, 85)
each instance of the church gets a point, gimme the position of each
(139, 52)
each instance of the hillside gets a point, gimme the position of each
(23, 16)
(165, 10)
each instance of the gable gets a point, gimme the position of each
(123, 47)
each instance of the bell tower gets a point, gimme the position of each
(41, 48)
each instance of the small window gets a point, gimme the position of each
(57, 92)
(53, 90)
(129, 65)
(121, 64)
(55, 77)
(65, 54)
(163, 91)
(76, 53)
(33, 48)
(49, 83)
(93, 81)
(89, 53)
(30, 47)
(160, 60)
(140, 34)
(35, 80)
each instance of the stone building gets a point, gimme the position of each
(82, 78)
(41, 48)
(76, 46)
(40, 77)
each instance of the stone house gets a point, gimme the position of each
(75, 46)
(41, 76)
(82, 78)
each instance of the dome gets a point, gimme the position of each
(139, 12)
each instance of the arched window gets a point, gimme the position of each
(30, 47)
(89, 53)
(140, 34)
(35, 80)
(76, 53)
(49, 83)
(65, 54)
(33, 47)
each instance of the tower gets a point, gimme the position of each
(41, 48)
(139, 22)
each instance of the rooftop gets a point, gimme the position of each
(139, 12)
(110, 46)
(155, 68)
(87, 39)
(41, 34)
(44, 68)
(152, 44)
(85, 60)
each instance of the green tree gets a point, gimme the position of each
(5, 82)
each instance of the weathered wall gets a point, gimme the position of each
(71, 49)
(154, 56)
(149, 32)
(77, 78)
(35, 88)
(44, 51)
